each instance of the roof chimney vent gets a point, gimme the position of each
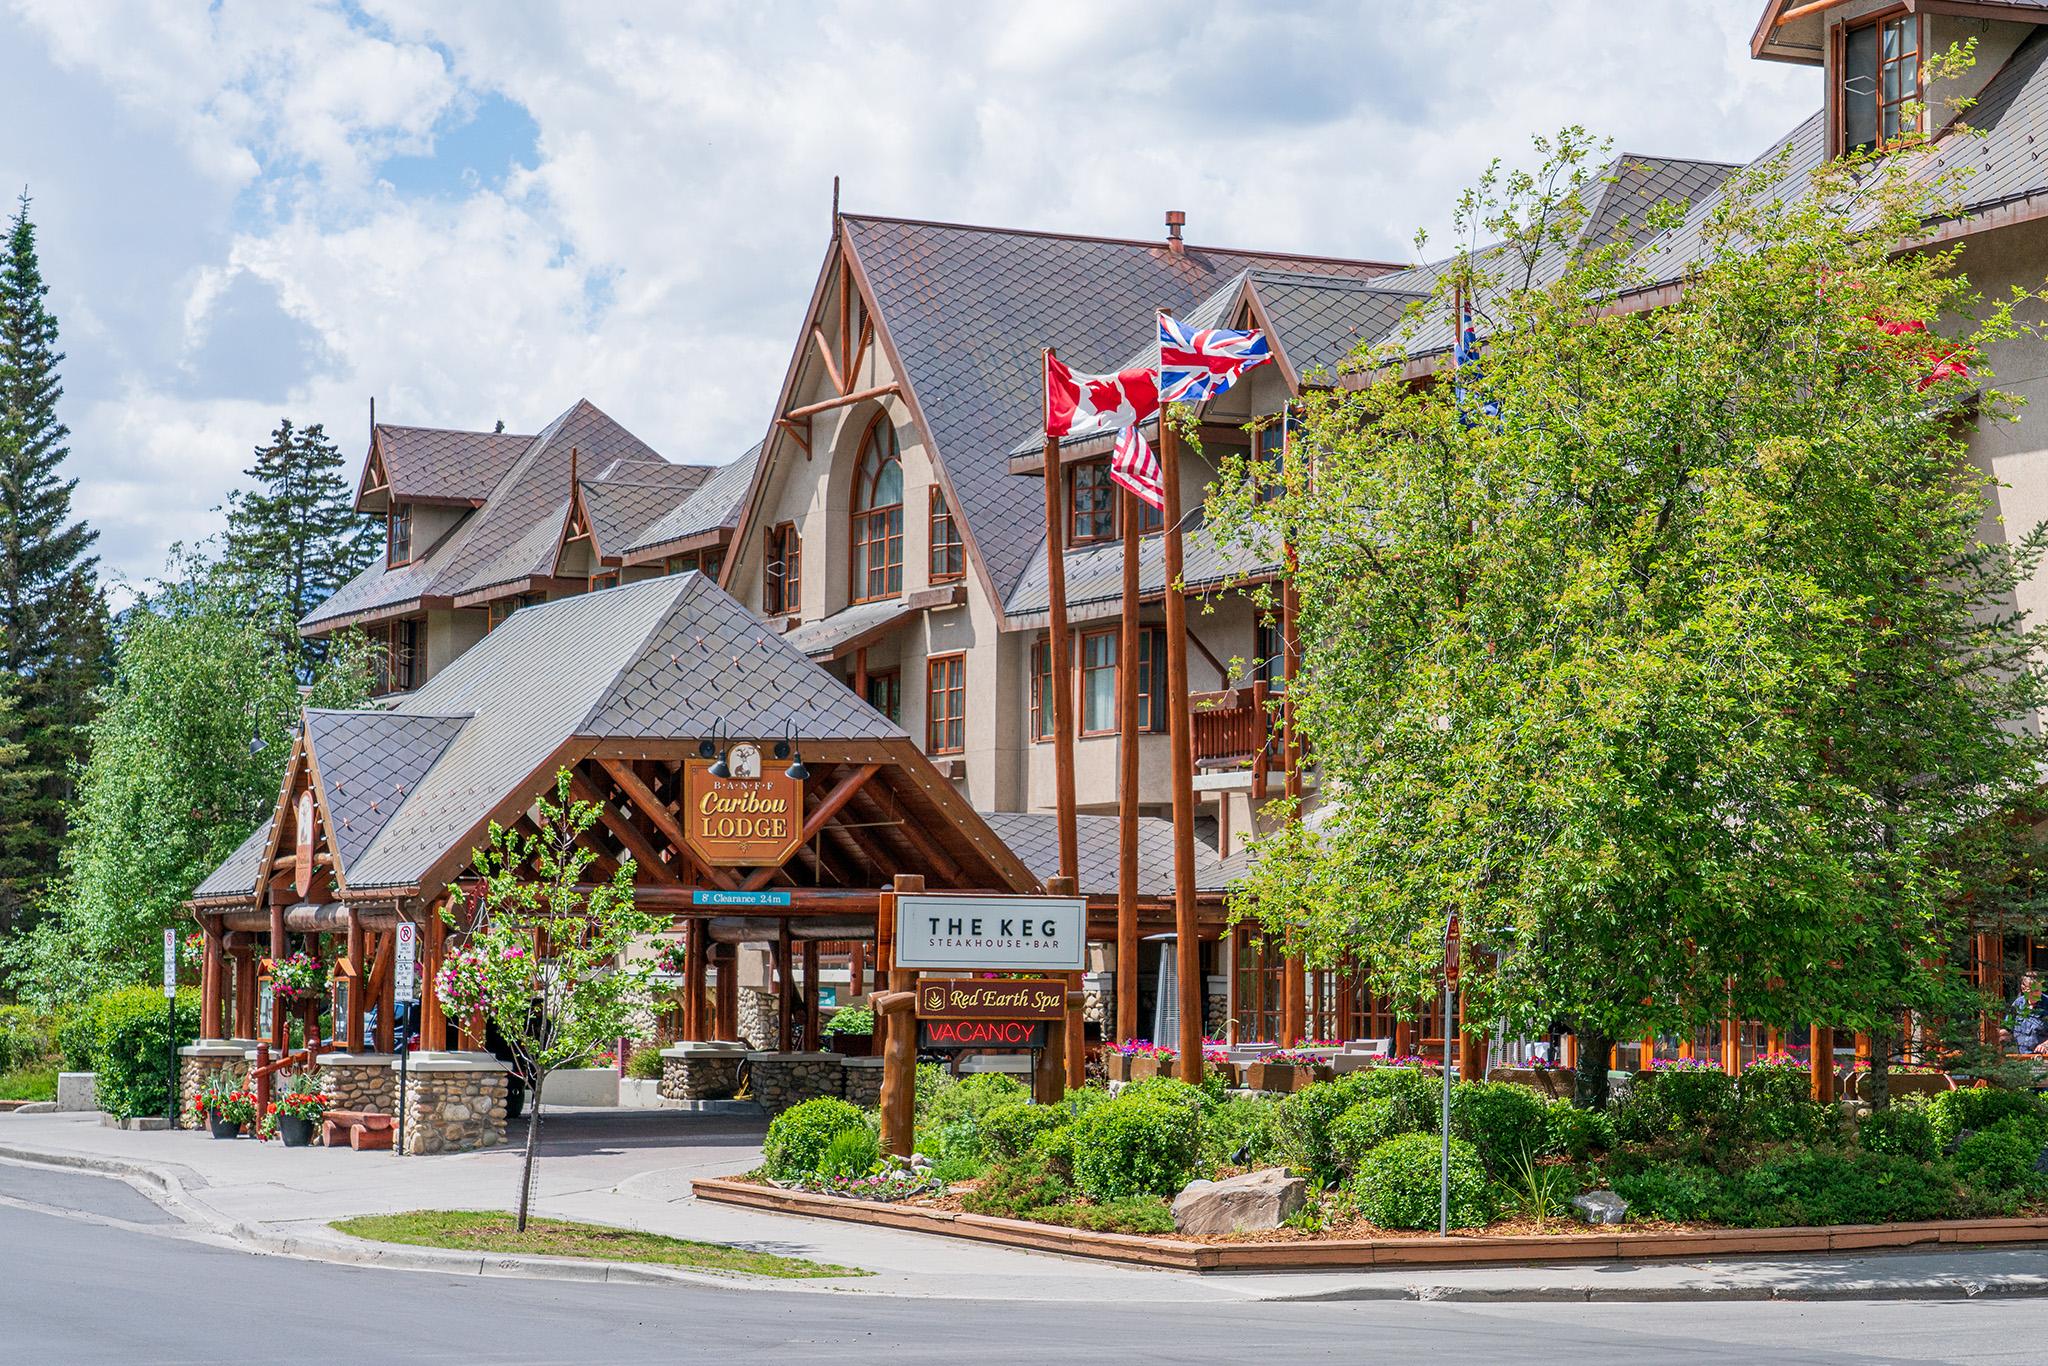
(1175, 220)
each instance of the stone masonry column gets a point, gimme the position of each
(198, 1064)
(701, 1071)
(360, 1081)
(454, 1102)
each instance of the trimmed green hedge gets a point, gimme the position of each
(1398, 1184)
(125, 1036)
(800, 1137)
(1135, 1147)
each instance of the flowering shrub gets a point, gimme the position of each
(192, 949)
(1303, 1056)
(1413, 1060)
(1787, 1060)
(672, 957)
(1683, 1065)
(1142, 1048)
(222, 1098)
(301, 1098)
(477, 974)
(891, 1183)
(298, 977)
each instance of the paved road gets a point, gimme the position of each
(77, 1291)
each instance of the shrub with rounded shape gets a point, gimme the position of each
(1903, 1131)
(1689, 1100)
(1242, 1124)
(1817, 1186)
(1171, 1091)
(970, 1098)
(1981, 1107)
(852, 1152)
(1305, 1119)
(131, 1048)
(1775, 1103)
(1364, 1127)
(1134, 1147)
(800, 1136)
(2000, 1160)
(1678, 1191)
(1569, 1131)
(27, 1039)
(1011, 1128)
(1418, 1091)
(1012, 1189)
(1398, 1182)
(1503, 1122)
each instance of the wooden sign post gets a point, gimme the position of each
(899, 1049)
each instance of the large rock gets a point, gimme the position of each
(1600, 1207)
(1241, 1204)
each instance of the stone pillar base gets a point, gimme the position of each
(701, 1071)
(198, 1064)
(785, 1079)
(454, 1102)
(360, 1081)
(862, 1080)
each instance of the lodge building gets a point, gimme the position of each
(871, 583)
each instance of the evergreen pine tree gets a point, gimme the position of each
(296, 536)
(53, 628)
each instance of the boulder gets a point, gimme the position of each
(1240, 1204)
(1600, 1207)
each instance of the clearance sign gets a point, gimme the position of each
(742, 821)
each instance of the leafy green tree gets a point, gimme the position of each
(296, 535)
(1663, 650)
(173, 782)
(543, 960)
(52, 616)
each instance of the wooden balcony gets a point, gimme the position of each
(1231, 728)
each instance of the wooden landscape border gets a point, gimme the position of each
(1175, 1254)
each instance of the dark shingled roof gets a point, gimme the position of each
(368, 762)
(236, 875)
(1319, 320)
(967, 310)
(433, 462)
(1034, 836)
(715, 504)
(625, 502)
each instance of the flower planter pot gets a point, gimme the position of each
(222, 1128)
(1285, 1078)
(1118, 1065)
(295, 1132)
(851, 1045)
(1143, 1067)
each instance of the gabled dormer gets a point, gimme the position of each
(1875, 55)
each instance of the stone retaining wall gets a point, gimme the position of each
(688, 1074)
(454, 1103)
(760, 1021)
(785, 1079)
(360, 1081)
(862, 1082)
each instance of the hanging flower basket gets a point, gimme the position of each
(298, 979)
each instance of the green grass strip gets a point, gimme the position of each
(472, 1230)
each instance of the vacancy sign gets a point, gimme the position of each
(992, 933)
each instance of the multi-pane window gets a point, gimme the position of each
(885, 694)
(878, 515)
(949, 554)
(394, 656)
(1152, 679)
(1041, 689)
(1098, 682)
(1271, 649)
(706, 562)
(945, 704)
(1272, 450)
(1091, 503)
(1880, 65)
(501, 608)
(604, 578)
(398, 534)
(781, 571)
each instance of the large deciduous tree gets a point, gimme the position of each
(295, 534)
(52, 615)
(175, 779)
(1664, 648)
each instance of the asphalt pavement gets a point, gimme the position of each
(73, 1291)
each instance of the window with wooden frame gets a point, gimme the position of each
(398, 535)
(1879, 81)
(878, 515)
(885, 694)
(1152, 680)
(949, 552)
(1041, 689)
(714, 561)
(945, 704)
(604, 578)
(1098, 654)
(1091, 503)
(682, 564)
(781, 571)
(394, 656)
(497, 611)
(1269, 649)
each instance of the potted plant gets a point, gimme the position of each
(851, 1032)
(298, 978)
(223, 1106)
(294, 1114)
(1151, 1060)
(1289, 1070)
(671, 958)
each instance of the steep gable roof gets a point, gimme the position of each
(437, 464)
(368, 762)
(714, 506)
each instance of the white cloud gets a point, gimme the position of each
(656, 253)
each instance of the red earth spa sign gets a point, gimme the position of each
(992, 933)
(749, 820)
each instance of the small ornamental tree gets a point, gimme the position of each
(543, 958)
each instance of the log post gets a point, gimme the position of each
(213, 967)
(246, 1016)
(696, 1009)
(358, 982)
(725, 1005)
(433, 1022)
(1820, 1062)
(785, 989)
(812, 1038)
(1187, 929)
(899, 1057)
(1127, 784)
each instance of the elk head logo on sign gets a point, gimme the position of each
(741, 822)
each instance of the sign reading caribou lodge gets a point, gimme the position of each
(992, 933)
(981, 998)
(749, 820)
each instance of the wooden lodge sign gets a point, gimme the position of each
(988, 999)
(302, 877)
(749, 820)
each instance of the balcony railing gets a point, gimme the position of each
(1231, 728)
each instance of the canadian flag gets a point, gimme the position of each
(1078, 404)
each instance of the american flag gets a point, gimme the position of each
(1135, 467)
(1200, 364)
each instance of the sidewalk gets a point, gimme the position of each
(633, 1168)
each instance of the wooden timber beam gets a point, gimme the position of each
(839, 796)
(648, 804)
(928, 849)
(825, 355)
(635, 840)
(825, 405)
(796, 434)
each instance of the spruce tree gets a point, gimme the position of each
(296, 536)
(52, 616)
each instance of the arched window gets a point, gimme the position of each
(878, 515)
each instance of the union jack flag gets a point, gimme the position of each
(1134, 466)
(1465, 360)
(1198, 365)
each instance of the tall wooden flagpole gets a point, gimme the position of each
(1295, 992)
(1127, 784)
(1062, 686)
(1180, 723)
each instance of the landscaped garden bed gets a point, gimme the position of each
(1707, 1165)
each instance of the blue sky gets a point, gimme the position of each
(478, 211)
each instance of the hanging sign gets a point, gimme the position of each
(302, 874)
(997, 933)
(979, 998)
(962, 1034)
(405, 963)
(751, 819)
(717, 897)
(170, 964)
